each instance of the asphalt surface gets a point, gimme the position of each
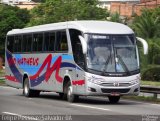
(49, 106)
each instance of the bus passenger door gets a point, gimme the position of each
(80, 83)
(79, 72)
(78, 56)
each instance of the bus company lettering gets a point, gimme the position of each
(24, 61)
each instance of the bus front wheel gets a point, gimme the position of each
(114, 99)
(27, 91)
(70, 96)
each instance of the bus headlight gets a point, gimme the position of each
(96, 80)
(133, 82)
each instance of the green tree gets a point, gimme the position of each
(154, 50)
(147, 25)
(65, 10)
(115, 17)
(11, 18)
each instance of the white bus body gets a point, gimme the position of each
(74, 58)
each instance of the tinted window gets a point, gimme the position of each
(37, 42)
(76, 47)
(10, 41)
(17, 43)
(49, 40)
(27, 43)
(61, 41)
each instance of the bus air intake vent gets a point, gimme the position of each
(115, 90)
(112, 84)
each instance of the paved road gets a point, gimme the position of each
(50, 106)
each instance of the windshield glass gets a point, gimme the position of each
(112, 53)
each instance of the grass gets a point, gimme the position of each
(152, 83)
(143, 98)
(2, 82)
(2, 73)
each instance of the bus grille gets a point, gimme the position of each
(115, 90)
(120, 84)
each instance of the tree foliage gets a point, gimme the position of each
(154, 50)
(65, 10)
(11, 18)
(115, 17)
(147, 25)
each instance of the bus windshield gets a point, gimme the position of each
(112, 53)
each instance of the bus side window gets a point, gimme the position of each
(10, 42)
(17, 43)
(77, 47)
(61, 41)
(27, 43)
(37, 42)
(49, 39)
(46, 42)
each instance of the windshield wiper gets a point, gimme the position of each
(124, 65)
(106, 64)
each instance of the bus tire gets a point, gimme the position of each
(70, 96)
(27, 91)
(114, 99)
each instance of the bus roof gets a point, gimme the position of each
(86, 26)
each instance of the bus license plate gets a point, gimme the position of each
(115, 94)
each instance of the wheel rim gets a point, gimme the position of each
(69, 92)
(26, 89)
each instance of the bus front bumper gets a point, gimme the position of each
(94, 89)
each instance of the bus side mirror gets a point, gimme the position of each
(145, 45)
(84, 44)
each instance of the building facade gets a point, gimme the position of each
(130, 9)
(28, 4)
(107, 3)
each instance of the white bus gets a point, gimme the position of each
(76, 58)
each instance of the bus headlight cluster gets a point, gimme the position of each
(133, 82)
(96, 80)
